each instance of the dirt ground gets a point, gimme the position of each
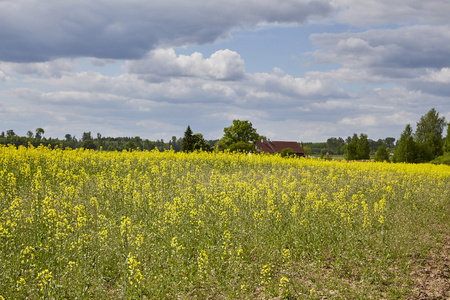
(431, 275)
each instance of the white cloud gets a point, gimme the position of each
(306, 87)
(438, 76)
(364, 120)
(222, 65)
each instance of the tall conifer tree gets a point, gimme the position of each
(188, 140)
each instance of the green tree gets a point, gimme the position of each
(406, 149)
(176, 143)
(382, 154)
(149, 145)
(389, 142)
(86, 136)
(351, 151)
(336, 145)
(89, 144)
(357, 147)
(39, 133)
(429, 134)
(130, 145)
(199, 143)
(308, 150)
(363, 147)
(99, 140)
(68, 137)
(220, 146)
(10, 133)
(139, 142)
(188, 140)
(446, 147)
(30, 134)
(240, 131)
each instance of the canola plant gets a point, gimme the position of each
(92, 224)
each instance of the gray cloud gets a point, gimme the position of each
(3, 77)
(380, 12)
(420, 46)
(414, 57)
(389, 77)
(36, 31)
(55, 68)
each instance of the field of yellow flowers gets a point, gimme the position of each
(154, 225)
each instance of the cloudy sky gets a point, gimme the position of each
(302, 70)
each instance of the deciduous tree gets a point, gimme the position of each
(241, 147)
(10, 133)
(39, 133)
(389, 142)
(240, 131)
(336, 145)
(89, 144)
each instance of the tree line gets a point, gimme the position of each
(424, 145)
(88, 141)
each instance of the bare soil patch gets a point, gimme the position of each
(431, 276)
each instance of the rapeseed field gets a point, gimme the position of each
(80, 224)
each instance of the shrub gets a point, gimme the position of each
(382, 154)
(444, 159)
(286, 152)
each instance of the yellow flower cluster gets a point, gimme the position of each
(112, 217)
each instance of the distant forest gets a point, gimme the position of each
(334, 146)
(338, 146)
(88, 141)
(426, 144)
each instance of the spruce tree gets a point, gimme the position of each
(406, 149)
(188, 140)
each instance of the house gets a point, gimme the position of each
(277, 146)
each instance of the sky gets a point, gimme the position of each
(298, 70)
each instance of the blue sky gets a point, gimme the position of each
(297, 69)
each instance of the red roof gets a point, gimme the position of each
(277, 146)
